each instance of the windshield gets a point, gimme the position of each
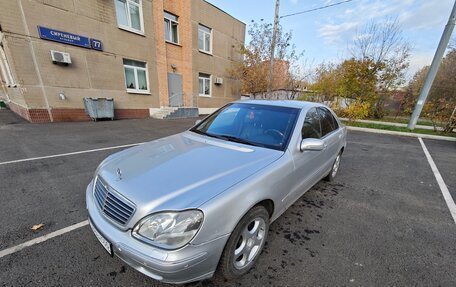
(252, 124)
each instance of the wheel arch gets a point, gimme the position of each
(268, 204)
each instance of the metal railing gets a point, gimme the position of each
(188, 100)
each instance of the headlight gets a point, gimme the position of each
(169, 230)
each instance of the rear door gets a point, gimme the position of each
(331, 134)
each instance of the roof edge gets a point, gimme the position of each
(216, 7)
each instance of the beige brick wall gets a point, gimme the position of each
(11, 17)
(92, 73)
(228, 34)
(100, 74)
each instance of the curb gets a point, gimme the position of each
(424, 136)
(391, 124)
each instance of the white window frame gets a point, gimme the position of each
(204, 42)
(127, 10)
(135, 69)
(210, 85)
(170, 21)
(5, 69)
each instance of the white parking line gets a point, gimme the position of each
(59, 232)
(446, 193)
(69, 153)
(43, 238)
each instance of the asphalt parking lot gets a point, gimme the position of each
(382, 222)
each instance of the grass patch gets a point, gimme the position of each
(404, 120)
(397, 129)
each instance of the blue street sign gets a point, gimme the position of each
(69, 38)
(96, 44)
(63, 37)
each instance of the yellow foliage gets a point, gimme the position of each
(357, 111)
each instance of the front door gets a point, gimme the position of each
(308, 164)
(175, 90)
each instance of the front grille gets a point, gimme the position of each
(112, 205)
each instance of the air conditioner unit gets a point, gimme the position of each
(218, 81)
(60, 57)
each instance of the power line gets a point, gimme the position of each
(315, 9)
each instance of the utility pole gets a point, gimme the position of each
(273, 44)
(434, 68)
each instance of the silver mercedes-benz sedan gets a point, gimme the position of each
(180, 208)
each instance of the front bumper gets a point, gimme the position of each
(187, 264)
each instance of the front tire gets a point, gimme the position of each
(245, 244)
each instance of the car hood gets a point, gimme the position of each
(181, 171)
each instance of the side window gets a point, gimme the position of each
(171, 28)
(327, 121)
(129, 15)
(204, 82)
(204, 38)
(311, 127)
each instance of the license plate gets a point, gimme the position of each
(106, 244)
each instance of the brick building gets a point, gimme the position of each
(148, 55)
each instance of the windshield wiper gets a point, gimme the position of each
(200, 132)
(239, 140)
(227, 137)
(206, 134)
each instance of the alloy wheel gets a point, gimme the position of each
(335, 166)
(249, 243)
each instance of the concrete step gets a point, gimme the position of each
(183, 112)
(172, 109)
(175, 113)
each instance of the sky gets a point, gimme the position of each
(325, 35)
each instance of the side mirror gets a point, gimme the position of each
(312, 144)
(197, 122)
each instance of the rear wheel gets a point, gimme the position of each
(245, 243)
(335, 168)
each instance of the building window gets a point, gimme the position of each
(171, 28)
(129, 15)
(204, 39)
(136, 78)
(204, 81)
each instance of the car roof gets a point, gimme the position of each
(282, 103)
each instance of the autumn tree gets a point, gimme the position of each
(356, 80)
(253, 71)
(382, 48)
(351, 80)
(377, 66)
(413, 90)
(440, 107)
(325, 80)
